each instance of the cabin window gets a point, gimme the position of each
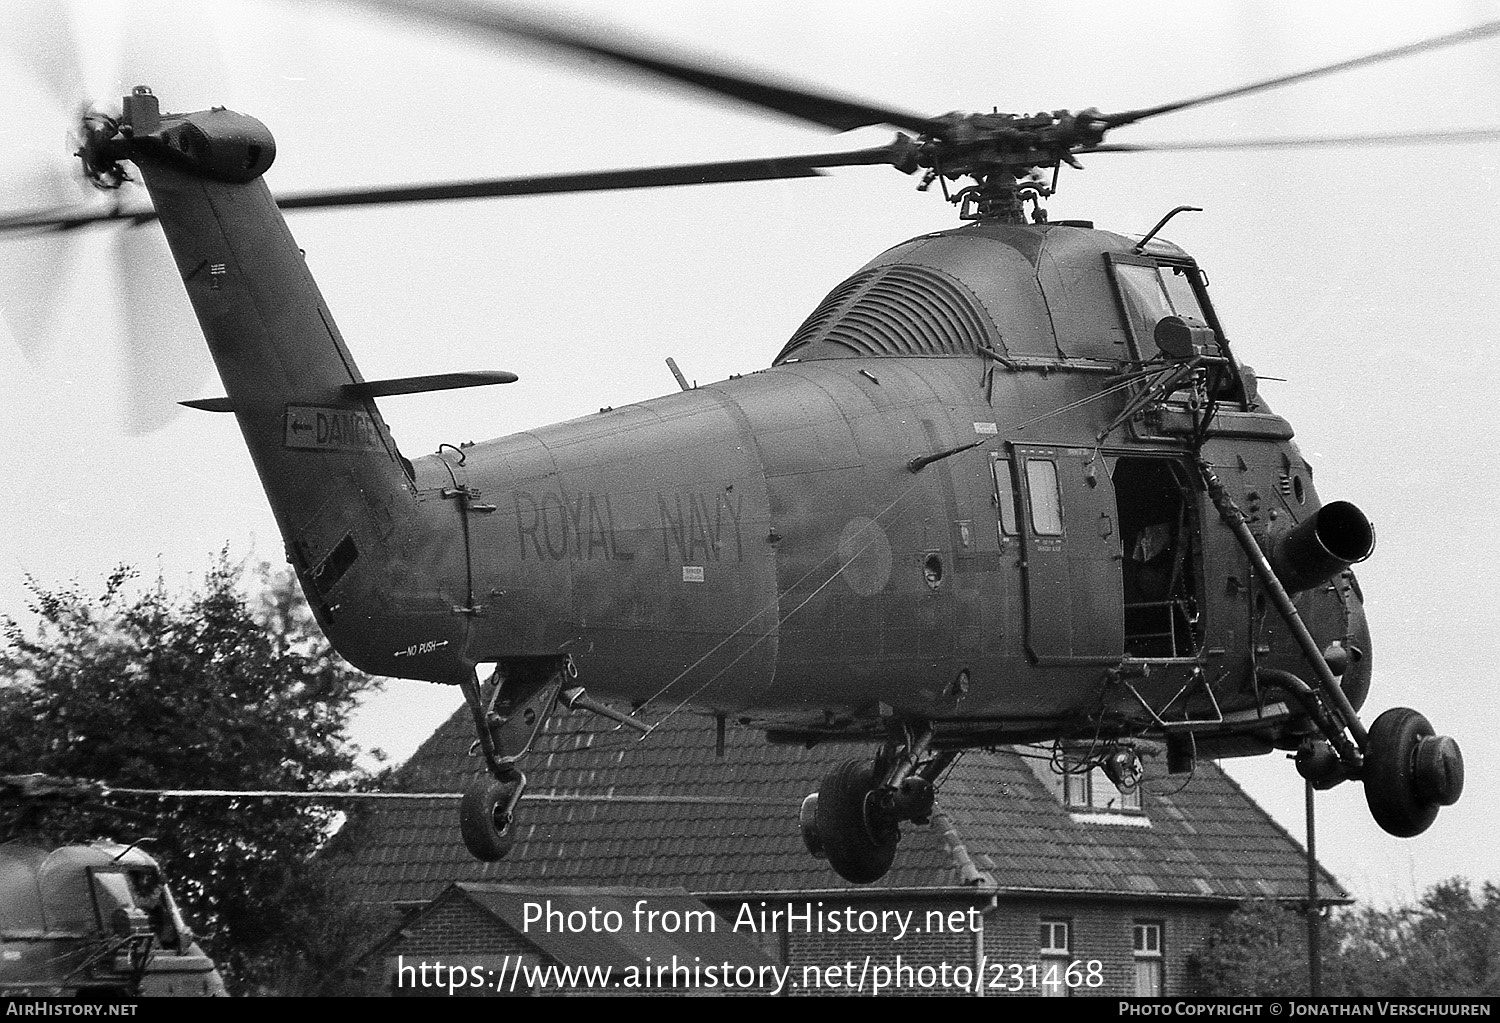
(1046, 500)
(1005, 497)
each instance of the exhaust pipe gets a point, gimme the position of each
(1322, 545)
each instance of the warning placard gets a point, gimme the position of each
(312, 427)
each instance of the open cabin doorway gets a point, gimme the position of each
(1160, 564)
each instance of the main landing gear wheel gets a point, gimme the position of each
(807, 824)
(485, 816)
(859, 844)
(1410, 772)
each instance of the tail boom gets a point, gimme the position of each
(374, 554)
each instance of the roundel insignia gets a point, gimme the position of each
(864, 556)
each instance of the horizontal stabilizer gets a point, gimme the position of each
(434, 382)
(382, 388)
(209, 404)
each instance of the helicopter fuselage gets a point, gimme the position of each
(762, 547)
(769, 546)
(968, 491)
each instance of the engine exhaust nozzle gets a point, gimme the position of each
(1322, 545)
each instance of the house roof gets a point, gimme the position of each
(603, 808)
(573, 925)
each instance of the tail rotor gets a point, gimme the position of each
(104, 323)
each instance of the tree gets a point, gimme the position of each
(1447, 945)
(208, 690)
(1258, 950)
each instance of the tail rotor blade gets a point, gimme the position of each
(164, 358)
(33, 270)
(163, 353)
(39, 37)
(32, 274)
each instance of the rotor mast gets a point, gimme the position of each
(1005, 155)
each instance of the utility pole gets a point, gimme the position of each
(1314, 917)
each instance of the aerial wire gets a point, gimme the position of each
(771, 606)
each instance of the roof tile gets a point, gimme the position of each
(605, 809)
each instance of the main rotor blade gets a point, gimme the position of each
(1481, 31)
(807, 104)
(772, 169)
(58, 219)
(900, 154)
(1414, 138)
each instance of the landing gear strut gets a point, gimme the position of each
(854, 819)
(507, 723)
(523, 697)
(1409, 773)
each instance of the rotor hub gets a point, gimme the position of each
(1005, 156)
(100, 151)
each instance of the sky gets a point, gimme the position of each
(1363, 276)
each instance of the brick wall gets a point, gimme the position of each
(834, 945)
(1100, 931)
(454, 934)
(831, 960)
(459, 928)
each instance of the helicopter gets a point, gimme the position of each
(88, 920)
(1008, 483)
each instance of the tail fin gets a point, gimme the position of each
(341, 491)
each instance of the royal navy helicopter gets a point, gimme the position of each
(87, 920)
(1007, 483)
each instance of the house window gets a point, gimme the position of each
(1092, 791)
(1149, 965)
(1056, 943)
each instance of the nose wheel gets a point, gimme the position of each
(1409, 772)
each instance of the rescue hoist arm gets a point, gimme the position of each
(1328, 689)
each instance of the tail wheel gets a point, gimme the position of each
(484, 818)
(859, 844)
(1410, 772)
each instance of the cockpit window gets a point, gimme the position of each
(1145, 298)
(1180, 290)
(111, 892)
(1151, 292)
